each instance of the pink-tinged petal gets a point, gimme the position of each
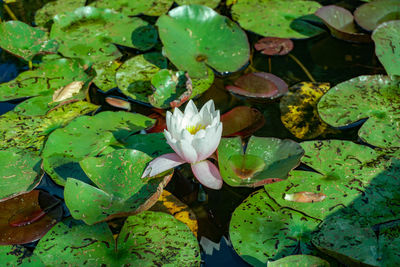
(161, 164)
(207, 174)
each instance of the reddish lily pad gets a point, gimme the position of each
(370, 15)
(259, 86)
(28, 217)
(273, 46)
(120, 190)
(265, 160)
(20, 172)
(242, 121)
(146, 239)
(340, 22)
(25, 41)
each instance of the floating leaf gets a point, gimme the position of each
(153, 144)
(48, 77)
(133, 8)
(203, 40)
(259, 86)
(49, 10)
(273, 46)
(265, 160)
(87, 136)
(25, 41)
(105, 74)
(370, 15)
(20, 172)
(28, 217)
(299, 109)
(67, 91)
(36, 106)
(30, 132)
(170, 204)
(340, 22)
(15, 255)
(209, 3)
(299, 260)
(101, 29)
(261, 232)
(376, 98)
(276, 18)
(118, 103)
(134, 76)
(242, 121)
(387, 48)
(149, 238)
(121, 190)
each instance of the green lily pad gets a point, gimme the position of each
(121, 190)
(265, 160)
(340, 22)
(133, 8)
(101, 29)
(134, 76)
(203, 40)
(49, 10)
(30, 132)
(28, 217)
(16, 255)
(387, 46)
(105, 74)
(370, 15)
(20, 172)
(149, 238)
(376, 98)
(209, 3)
(25, 41)
(276, 18)
(153, 144)
(36, 106)
(261, 232)
(87, 136)
(169, 86)
(47, 78)
(299, 260)
(344, 171)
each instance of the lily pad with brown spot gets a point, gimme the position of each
(25, 41)
(105, 74)
(259, 86)
(49, 10)
(146, 239)
(28, 217)
(264, 160)
(242, 121)
(273, 46)
(375, 98)
(120, 189)
(261, 231)
(16, 255)
(340, 22)
(299, 110)
(20, 172)
(137, 7)
(370, 15)
(203, 34)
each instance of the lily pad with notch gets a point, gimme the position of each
(170, 241)
(28, 217)
(120, 189)
(340, 22)
(259, 86)
(261, 231)
(370, 15)
(101, 29)
(264, 160)
(387, 46)
(242, 121)
(203, 34)
(276, 18)
(25, 41)
(376, 98)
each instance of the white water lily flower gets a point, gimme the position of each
(194, 136)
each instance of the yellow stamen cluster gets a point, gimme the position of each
(195, 128)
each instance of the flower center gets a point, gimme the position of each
(195, 128)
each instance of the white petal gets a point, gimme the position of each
(186, 151)
(207, 174)
(190, 109)
(208, 144)
(161, 164)
(172, 142)
(168, 119)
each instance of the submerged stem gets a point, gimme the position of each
(9, 11)
(302, 67)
